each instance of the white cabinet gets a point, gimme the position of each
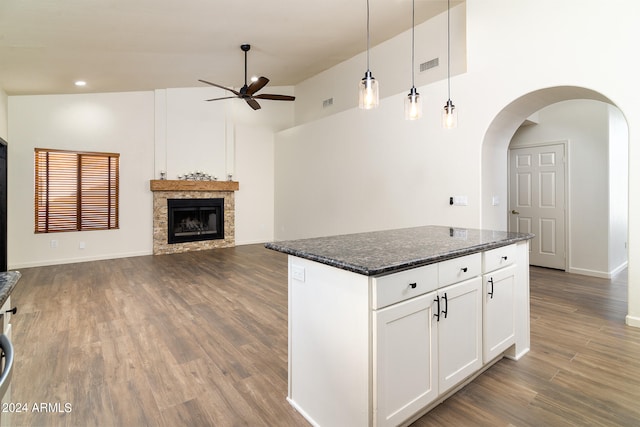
(405, 359)
(425, 346)
(499, 312)
(381, 350)
(499, 290)
(459, 332)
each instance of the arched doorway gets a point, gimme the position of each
(497, 140)
(568, 179)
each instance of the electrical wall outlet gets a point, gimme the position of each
(81, 245)
(297, 273)
(53, 243)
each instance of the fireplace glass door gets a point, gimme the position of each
(193, 220)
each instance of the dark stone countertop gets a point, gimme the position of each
(8, 281)
(382, 252)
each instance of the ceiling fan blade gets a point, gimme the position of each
(275, 97)
(257, 85)
(253, 103)
(221, 87)
(218, 99)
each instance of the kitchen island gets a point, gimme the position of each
(385, 325)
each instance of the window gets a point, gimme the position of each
(75, 191)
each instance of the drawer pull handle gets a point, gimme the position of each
(504, 257)
(413, 285)
(464, 269)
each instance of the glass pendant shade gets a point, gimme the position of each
(449, 116)
(413, 105)
(369, 97)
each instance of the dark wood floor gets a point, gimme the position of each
(200, 339)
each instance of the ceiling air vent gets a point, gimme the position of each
(429, 64)
(327, 103)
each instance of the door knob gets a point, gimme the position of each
(515, 212)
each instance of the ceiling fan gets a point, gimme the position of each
(248, 92)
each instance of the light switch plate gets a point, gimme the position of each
(460, 200)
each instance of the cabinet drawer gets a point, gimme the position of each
(459, 269)
(407, 284)
(498, 258)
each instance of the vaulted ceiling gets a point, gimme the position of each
(127, 45)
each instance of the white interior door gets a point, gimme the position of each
(537, 201)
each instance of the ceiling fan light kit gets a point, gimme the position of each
(247, 92)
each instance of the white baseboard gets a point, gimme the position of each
(587, 272)
(597, 273)
(75, 260)
(633, 321)
(619, 268)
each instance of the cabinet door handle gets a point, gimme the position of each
(437, 313)
(464, 269)
(413, 285)
(446, 305)
(505, 257)
(491, 292)
(14, 310)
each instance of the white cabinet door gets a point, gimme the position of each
(499, 314)
(404, 359)
(459, 332)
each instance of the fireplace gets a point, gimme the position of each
(165, 190)
(192, 220)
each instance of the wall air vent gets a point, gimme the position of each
(429, 64)
(327, 103)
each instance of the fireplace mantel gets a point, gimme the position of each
(186, 185)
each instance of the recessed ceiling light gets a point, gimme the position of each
(81, 83)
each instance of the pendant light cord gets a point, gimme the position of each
(448, 49)
(413, 46)
(368, 41)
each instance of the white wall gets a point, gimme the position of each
(370, 170)
(585, 125)
(618, 189)
(172, 130)
(221, 138)
(390, 64)
(121, 123)
(539, 50)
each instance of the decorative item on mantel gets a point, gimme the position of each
(197, 176)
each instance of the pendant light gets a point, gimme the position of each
(368, 87)
(413, 102)
(449, 114)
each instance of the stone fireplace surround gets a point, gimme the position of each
(181, 189)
